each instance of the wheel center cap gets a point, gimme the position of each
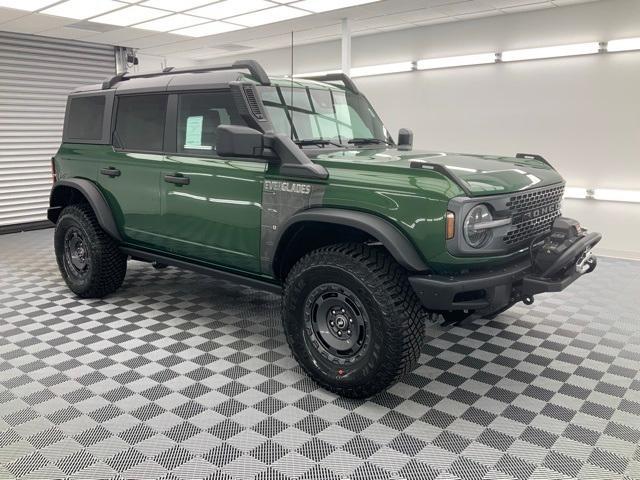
(341, 321)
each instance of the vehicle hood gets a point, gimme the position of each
(479, 174)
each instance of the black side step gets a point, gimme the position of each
(256, 283)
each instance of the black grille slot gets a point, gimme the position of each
(254, 106)
(533, 213)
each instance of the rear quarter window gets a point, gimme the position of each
(86, 118)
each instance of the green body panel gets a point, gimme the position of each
(216, 219)
(381, 181)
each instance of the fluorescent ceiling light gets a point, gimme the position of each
(551, 52)
(230, 8)
(81, 9)
(172, 22)
(28, 5)
(623, 45)
(381, 69)
(211, 28)
(617, 195)
(575, 192)
(175, 5)
(459, 61)
(272, 15)
(318, 6)
(130, 16)
(316, 74)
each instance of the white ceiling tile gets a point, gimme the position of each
(562, 3)
(463, 8)
(173, 5)
(26, 5)
(172, 22)
(119, 36)
(206, 29)
(8, 14)
(34, 23)
(514, 3)
(130, 16)
(230, 8)
(528, 7)
(272, 15)
(155, 40)
(68, 33)
(318, 6)
(80, 9)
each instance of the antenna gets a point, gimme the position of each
(291, 89)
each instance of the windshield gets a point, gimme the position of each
(330, 116)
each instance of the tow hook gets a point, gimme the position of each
(586, 263)
(528, 300)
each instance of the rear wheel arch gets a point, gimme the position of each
(319, 227)
(79, 190)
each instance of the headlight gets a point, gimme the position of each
(476, 238)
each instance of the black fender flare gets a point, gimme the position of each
(94, 197)
(400, 247)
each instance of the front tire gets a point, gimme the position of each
(351, 319)
(89, 260)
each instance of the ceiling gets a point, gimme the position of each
(194, 43)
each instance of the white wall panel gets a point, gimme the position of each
(36, 75)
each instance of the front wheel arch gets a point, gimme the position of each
(357, 226)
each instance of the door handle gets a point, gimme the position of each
(110, 172)
(177, 179)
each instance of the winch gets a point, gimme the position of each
(567, 247)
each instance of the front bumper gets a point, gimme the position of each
(489, 292)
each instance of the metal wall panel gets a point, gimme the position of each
(36, 75)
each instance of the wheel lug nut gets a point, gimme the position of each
(339, 333)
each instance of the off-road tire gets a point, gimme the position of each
(395, 317)
(106, 265)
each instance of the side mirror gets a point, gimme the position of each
(239, 141)
(405, 139)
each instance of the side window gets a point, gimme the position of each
(85, 118)
(140, 122)
(199, 115)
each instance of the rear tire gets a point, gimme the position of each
(89, 260)
(351, 319)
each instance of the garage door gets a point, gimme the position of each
(36, 74)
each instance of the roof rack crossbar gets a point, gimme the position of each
(334, 77)
(254, 68)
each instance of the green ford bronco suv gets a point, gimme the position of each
(295, 186)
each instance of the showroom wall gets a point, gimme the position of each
(580, 112)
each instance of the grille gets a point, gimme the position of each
(533, 213)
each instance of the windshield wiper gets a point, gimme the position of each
(364, 141)
(376, 141)
(321, 142)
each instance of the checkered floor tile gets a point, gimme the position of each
(179, 376)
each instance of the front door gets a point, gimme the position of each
(129, 176)
(210, 207)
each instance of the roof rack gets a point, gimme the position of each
(334, 77)
(254, 68)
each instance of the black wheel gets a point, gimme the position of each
(89, 260)
(351, 319)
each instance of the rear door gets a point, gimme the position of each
(129, 174)
(211, 206)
